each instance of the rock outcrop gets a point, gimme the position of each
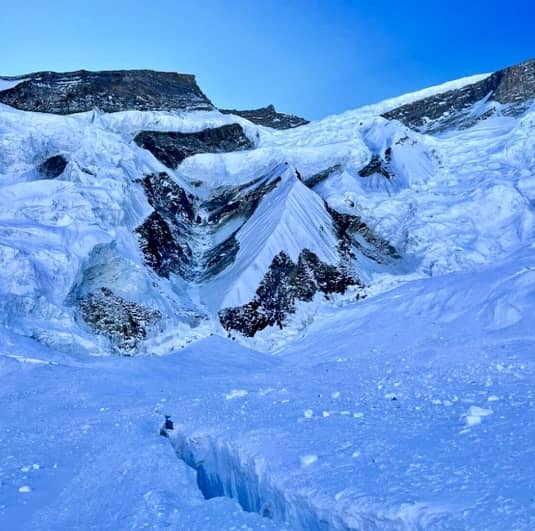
(269, 117)
(282, 287)
(510, 90)
(171, 236)
(124, 323)
(171, 148)
(109, 91)
(165, 236)
(378, 165)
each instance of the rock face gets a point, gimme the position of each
(287, 282)
(196, 239)
(317, 178)
(172, 148)
(125, 323)
(513, 88)
(378, 165)
(282, 287)
(353, 233)
(109, 91)
(170, 237)
(165, 236)
(269, 117)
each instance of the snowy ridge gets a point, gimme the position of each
(391, 103)
(6, 84)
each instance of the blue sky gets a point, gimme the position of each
(309, 57)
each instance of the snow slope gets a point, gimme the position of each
(426, 425)
(289, 218)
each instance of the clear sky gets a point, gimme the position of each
(309, 57)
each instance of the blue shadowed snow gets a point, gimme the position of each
(412, 410)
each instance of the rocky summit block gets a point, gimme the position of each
(109, 91)
(269, 117)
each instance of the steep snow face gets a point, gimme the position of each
(289, 219)
(327, 205)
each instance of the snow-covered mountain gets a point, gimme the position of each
(137, 217)
(347, 306)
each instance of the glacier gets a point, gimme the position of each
(335, 319)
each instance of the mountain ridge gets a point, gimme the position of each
(143, 230)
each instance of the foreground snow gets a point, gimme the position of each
(411, 410)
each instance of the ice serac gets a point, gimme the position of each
(109, 91)
(269, 117)
(509, 91)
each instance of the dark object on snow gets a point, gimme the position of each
(298, 175)
(167, 425)
(52, 167)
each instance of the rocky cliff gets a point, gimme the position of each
(109, 91)
(269, 117)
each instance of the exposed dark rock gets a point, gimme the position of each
(378, 165)
(172, 148)
(353, 232)
(269, 117)
(513, 87)
(241, 201)
(52, 167)
(165, 236)
(219, 257)
(168, 235)
(124, 322)
(285, 283)
(322, 175)
(109, 91)
(167, 197)
(164, 251)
